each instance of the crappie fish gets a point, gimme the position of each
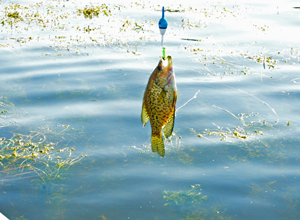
(159, 103)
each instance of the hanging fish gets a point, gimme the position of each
(159, 103)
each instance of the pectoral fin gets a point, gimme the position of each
(144, 115)
(168, 127)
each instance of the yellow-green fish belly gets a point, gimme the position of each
(160, 107)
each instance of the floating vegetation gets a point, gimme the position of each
(95, 11)
(11, 18)
(133, 52)
(16, 13)
(253, 139)
(112, 30)
(40, 153)
(109, 30)
(247, 130)
(264, 60)
(222, 59)
(7, 111)
(174, 10)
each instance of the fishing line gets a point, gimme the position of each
(163, 24)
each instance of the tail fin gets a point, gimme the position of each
(157, 144)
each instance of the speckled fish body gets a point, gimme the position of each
(159, 103)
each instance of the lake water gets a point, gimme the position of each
(71, 98)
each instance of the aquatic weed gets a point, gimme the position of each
(34, 154)
(184, 198)
(192, 204)
(94, 11)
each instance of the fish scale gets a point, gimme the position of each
(159, 104)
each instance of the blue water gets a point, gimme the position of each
(237, 74)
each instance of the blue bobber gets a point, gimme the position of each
(162, 24)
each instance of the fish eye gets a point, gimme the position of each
(159, 68)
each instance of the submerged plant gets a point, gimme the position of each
(192, 204)
(184, 198)
(39, 153)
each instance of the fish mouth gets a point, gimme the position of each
(170, 61)
(167, 63)
(170, 70)
(170, 65)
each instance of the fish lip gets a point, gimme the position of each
(167, 59)
(170, 61)
(167, 63)
(170, 71)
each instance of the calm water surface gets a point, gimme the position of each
(76, 84)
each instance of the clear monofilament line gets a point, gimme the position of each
(162, 40)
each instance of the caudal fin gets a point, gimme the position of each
(157, 145)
